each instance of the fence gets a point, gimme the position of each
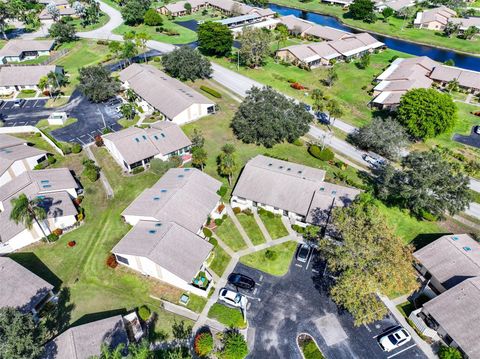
(48, 61)
(26, 129)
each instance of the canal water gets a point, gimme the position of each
(461, 60)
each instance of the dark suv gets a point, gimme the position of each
(241, 281)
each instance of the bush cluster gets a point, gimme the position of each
(207, 232)
(144, 313)
(112, 261)
(324, 155)
(76, 147)
(203, 344)
(138, 169)
(270, 255)
(211, 91)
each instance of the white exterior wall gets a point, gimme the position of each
(114, 152)
(149, 268)
(6, 177)
(21, 240)
(133, 220)
(61, 222)
(193, 113)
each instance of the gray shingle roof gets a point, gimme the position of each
(20, 288)
(448, 259)
(288, 186)
(169, 245)
(166, 94)
(28, 75)
(136, 144)
(184, 196)
(13, 149)
(456, 310)
(85, 341)
(16, 47)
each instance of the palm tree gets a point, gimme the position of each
(334, 110)
(43, 84)
(227, 163)
(141, 41)
(27, 211)
(55, 81)
(452, 85)
(281, 35)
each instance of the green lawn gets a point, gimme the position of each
(184, 36)
(26, 94)
(103, 19)
(36, 61)
(310, 350)
(277, 266)
(94, 287)
(274, 225)
(82, 53)
(351, 88)
(251, 227)
(220, 259)
(230, 235)
(43, 124)
(227, 316)
(395, 27)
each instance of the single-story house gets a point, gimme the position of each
(178, 8)
(21, 288)
(465, 23)
(326, 33)
(85, 341)
(467, 79)
(16, 157)
(448, 261)
(395, 5)
(62, 11)
(434, 19)
(55, 188)
(344, 3)
(402, 75)
(157, 91)
(166, 239)
(295, 25)
(455, 317)
(356, 45)
(21, 50)
(134, 146)
(240, 21)
(289, 189)
(17, 78)
(309, 55)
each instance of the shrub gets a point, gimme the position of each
(449, 353)
(270, 255)
(71, 243)
(297, 86)
(291, 81)
(298, 142)
(213, 241)
(58, 232)
(203, 344)
(218, 221)
(340, 164)
(51, 160)
(234, 345)
(222, 191)
(220, 208)
(144, 313)
(324, 155)
(98, 141)
(76, 147)
(237, 210)
(428, 216)
(102, 42)
(207, 232)
(211, 91)
(52, 237)
(248, 212)
(298, 229)
(138, 169)
(152, 18)
(157, 59)
(112, 261)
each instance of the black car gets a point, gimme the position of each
(241, 281)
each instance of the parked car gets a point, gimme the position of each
(374, 161)
(232, 298)
(476, 129)
(303, 253)
(394, 339)
(18, 102)
(322, 117)
(114, 102)
(241, 281)
(307, 107)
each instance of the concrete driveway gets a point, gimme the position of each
(279, 309)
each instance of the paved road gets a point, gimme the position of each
(281, 308)
(106, 31)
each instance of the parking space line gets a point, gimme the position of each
(366, 326)
(261, 278)
(315, 271)
(78, 138)
(401, 351)
(255, 291)
(35, 104)
(298, 265)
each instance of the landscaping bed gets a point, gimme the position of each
(309, 348)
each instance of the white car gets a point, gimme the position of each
(394, 339)
(232, 298)
(375, 162)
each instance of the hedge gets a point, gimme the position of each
(211, 91)
(324, 155)
(207, 232)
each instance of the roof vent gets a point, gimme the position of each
(155, 137)
(152, 231)
(322, 189)
(334, 193)
(186, 169)
(136, 139)
(289, 169)
(158, 224)
(44, 181)
(47, 186)
(269, 165)
(156, 198)
(281, 167)
(163, 190)
(467, 249)
(144, 137)
(299, 172)
(455, 238)
(163, 135)
(180, 176)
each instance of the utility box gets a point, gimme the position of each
(57, 118)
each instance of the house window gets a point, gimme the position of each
(122, 259)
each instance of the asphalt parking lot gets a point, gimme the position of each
(92, 118)
(472, 140)
(281, 308)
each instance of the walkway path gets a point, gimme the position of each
(239, 226)
(262, 227)
(425, 347)
(103, 179)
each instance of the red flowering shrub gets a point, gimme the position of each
(297, 86)
(220, 208)
(72, 244)
(99, 141)
(112, 261)
(58, 232)
(203, 344)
